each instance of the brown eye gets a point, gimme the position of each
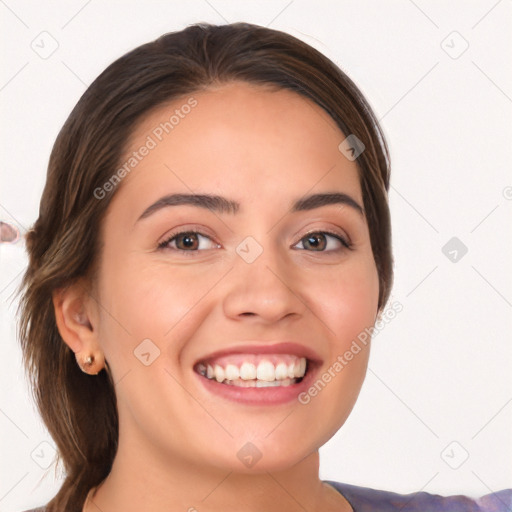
(188, 241)
(318, 241)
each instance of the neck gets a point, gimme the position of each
(141, 480)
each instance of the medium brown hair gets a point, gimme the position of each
(64, 244)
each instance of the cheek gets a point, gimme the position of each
(148, 302)
(347, 299)
(346, 302)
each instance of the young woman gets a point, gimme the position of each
(213, 239)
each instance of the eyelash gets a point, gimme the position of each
(163, 245)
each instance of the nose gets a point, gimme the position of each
(262, 290)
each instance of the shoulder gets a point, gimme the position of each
(364, 499)
(39, 509)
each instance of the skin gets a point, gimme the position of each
(178, 443)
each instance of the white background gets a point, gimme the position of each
(438, 388)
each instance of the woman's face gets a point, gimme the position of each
(263, 282)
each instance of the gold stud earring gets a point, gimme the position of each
(87, 363)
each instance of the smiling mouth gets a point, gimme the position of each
(255, 370)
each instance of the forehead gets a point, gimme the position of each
(246, 141)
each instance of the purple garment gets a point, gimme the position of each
(364, 499)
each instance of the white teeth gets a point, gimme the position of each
(266, 371)
(302, 367)
(269, 384)
(249, 375)
(281, 371)
(259, 383)
(232, 372)
(247, 371)
(296, 370)
(219, 373)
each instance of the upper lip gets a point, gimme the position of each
(287, 347)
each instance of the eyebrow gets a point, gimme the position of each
(223, 205)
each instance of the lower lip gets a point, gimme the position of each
(259, 396)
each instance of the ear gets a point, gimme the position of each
(76, 314)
